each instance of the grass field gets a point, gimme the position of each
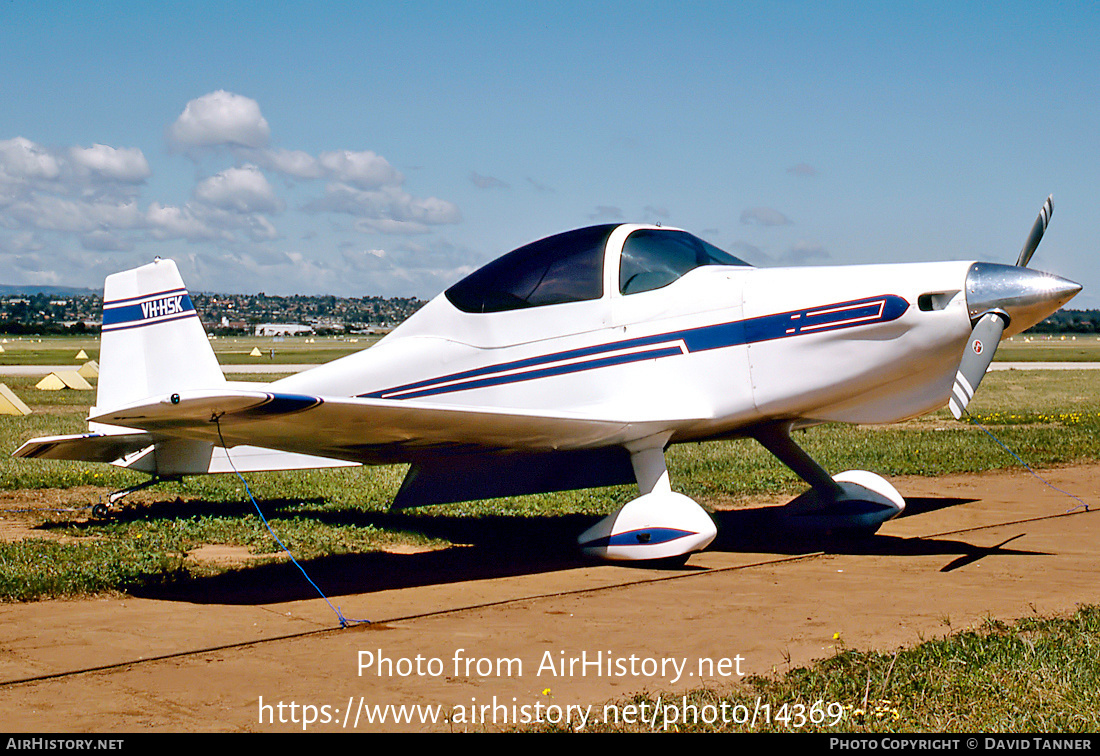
(234, 350)
(1048, 417)
(1037, 675)
(1059, 348)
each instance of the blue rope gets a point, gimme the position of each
(1026, 465)
(344, 621)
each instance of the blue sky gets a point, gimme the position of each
(389, 148)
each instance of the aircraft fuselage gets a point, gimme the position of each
(727, 347)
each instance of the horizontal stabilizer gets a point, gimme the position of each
(114, 448)
(86, 447)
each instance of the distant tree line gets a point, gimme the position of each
(16, 328)
(1069, 321)
(40, 313)
(47, 313)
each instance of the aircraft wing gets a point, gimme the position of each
(371, 431)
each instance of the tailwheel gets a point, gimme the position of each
(113, 498)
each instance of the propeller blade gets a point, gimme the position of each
(983, 343)
(1036, 234)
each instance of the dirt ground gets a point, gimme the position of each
(478, 641)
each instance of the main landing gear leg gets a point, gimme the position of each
(854, 501)
(659, 525)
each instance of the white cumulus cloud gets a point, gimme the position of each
(244, 190)
(261, 229)
(365, 170)
(388, 203)
(220, 119)
(293, 163)
(22, 159)
(169, 222)
(126, 164)
(79, 205)
(52, 213)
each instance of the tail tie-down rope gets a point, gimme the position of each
(344, 621)
(1080, 502)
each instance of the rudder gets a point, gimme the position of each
(152, 341)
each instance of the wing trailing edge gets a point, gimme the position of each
(369, 431)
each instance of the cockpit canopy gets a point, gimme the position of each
(569, 267)
(655, 257)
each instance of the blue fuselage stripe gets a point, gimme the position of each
(546, 372)
(829, 317)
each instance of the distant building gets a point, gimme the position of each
(282, 329)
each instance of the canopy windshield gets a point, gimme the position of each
(563, 268)
(569, 267)
(653, 258)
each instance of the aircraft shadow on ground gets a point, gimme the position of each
(506, 546)
(770, 530)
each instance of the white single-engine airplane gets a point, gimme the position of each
(574, 362)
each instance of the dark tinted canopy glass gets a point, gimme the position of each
(653, 258)
(563, 268)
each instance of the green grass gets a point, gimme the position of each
(1038, 675)
(1035, 675)
(232, 350)
(237, 350)
(132, 553)
(47, 350)
(1048, 417)
(38, 568)
(1070, 348)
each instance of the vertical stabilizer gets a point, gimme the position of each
(152, 341)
